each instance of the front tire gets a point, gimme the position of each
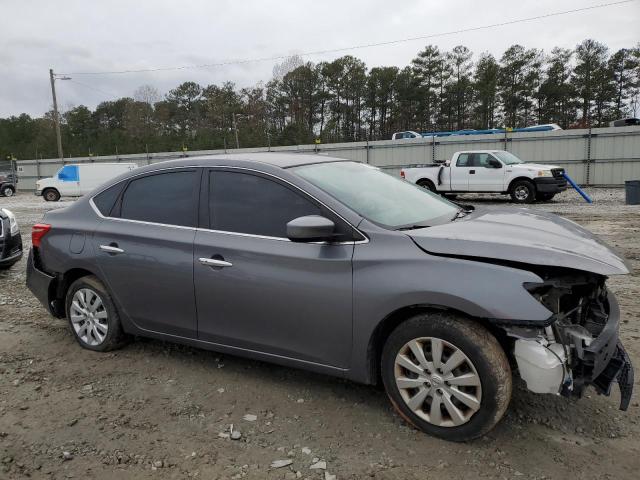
(51, 195)
(523, 191)
(93, 317)
(446, 375)
(7, 191)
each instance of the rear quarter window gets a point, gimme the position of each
(106, 200)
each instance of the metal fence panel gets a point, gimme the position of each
(602, 156)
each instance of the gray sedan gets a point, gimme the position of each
(334, 266)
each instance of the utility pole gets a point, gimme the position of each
(235, 127)
(56, 115)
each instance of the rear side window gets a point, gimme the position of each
(246, 203)
(105, 200)
(463, 160)
(168, 198)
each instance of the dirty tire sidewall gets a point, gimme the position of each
(520, 186)
(51, 195)
(483, 350)
(427, 184)
(7, 192)
(115, 337)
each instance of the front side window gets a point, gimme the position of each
(168, 198)
(378, 196)
(481, 159)
(247, 203)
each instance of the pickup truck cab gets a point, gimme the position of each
(495, 171)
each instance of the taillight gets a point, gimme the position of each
(38, 231)
(402, 173)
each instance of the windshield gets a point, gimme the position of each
(508, 158)
(379, 197)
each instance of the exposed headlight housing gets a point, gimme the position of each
(545, 173)
(13, 222)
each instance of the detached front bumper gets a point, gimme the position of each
(38, 193)
(602, 361)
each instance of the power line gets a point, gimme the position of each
(355, 47)
(92, 88)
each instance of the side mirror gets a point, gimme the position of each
(493, 163)
(312, 228)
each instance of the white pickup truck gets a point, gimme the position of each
(496, 171)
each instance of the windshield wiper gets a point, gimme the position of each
(411, 227)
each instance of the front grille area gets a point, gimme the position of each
(557, 172)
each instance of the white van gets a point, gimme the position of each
(74, 180)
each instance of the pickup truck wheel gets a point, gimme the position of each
(523, 191)
(446, 375)
(93, 316)
(7, 191)
(51, 195)
(428, 184)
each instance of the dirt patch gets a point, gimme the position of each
(158, 410)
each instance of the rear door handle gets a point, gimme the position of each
(111, 249)
(213, 262)
(472, 172)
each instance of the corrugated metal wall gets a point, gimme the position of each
(599, 157)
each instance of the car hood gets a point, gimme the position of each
(522, 235)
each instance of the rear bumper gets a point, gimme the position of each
(40, 283)
(550, 184)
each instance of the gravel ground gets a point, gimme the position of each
(156, 410)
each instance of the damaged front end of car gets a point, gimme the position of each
(579, 346)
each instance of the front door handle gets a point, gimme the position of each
(111, 249)
(213, 262)
(472, 172)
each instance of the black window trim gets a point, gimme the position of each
(205, 192)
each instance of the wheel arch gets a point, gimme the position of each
(517, 179)
(63, 283)
(424, 180)
(384, 328)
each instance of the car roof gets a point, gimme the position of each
(275, 159)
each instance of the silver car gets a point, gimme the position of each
(337, 267)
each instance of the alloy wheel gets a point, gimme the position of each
(521, 193)
(89, 317)
(438, 382)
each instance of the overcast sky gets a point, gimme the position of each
(81, 35)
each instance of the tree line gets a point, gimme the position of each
(342, 100)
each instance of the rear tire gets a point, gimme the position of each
(7, 191)
(523, 191)
(51, 195)
(93, 317)
(428, 184)
(459, 399)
